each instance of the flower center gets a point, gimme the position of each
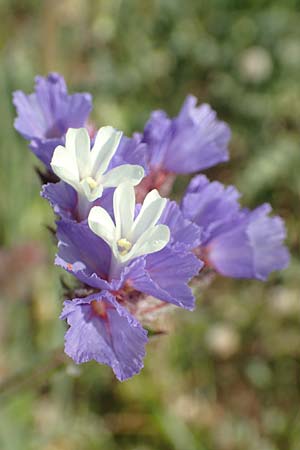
(124, 246)
(99, 308)
(91, 182)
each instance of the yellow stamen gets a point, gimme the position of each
(91, 182)
(124, 246)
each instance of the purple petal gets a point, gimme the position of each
(266, 235)
(231, 254)
(183, 232)
(45, 115)
(251, 249)
(104, 331)
(165, 275)
(64, 201)
(62, 198)
(83, 253)
(130, 151)
(157, 135)
(193, 141)
(210, 205)
(44, 148)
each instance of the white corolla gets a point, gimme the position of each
(85, 169)
(131, 237)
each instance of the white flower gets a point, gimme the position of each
(129, 238)
(84, 169)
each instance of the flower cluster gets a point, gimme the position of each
(124, 241)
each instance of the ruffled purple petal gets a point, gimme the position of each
(236, 242)
(45, 115)
(104, 331)
(44, 148)
(231, 254)
(165, 275)
(251, 249)
(184, 233)
(157, 135)
(130, 151)
(64, 201)
(193, 141)
(83, 253)
(210, 205)
(266, 235)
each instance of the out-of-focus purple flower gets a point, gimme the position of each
(45, 115)
(192, 141)
(236, 242)
(163, 274)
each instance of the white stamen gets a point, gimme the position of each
(91, 182)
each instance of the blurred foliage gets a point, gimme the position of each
(227, 377)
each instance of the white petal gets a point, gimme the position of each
(70, 139)
(124, 205)
(148, 216)
(153, 240)
(101, 224)
(91, 194)
(128, 172)
(150, 197)
(106, 144)
(83, 152)
(64, 166)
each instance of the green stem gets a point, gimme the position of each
(34, 375)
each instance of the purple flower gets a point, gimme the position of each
(45, 116)
(192, 141)
(108, 331)
(236, 242)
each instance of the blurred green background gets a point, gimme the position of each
(226, 377)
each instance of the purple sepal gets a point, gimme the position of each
(103, 330)
(193, 141)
